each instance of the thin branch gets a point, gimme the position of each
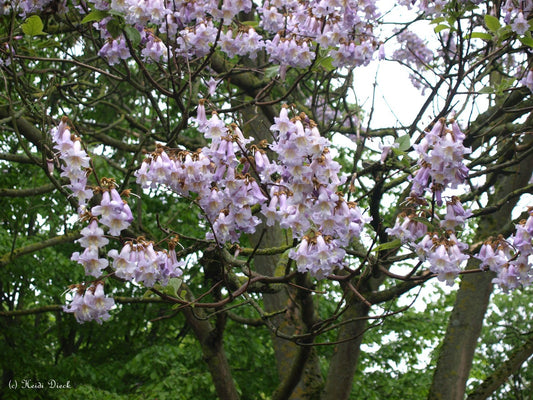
(59, 307)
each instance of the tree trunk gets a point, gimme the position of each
(287, 319)
(346, 354)
(210, 339)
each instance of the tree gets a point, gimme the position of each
(192, 158)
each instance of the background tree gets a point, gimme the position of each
(178, 152)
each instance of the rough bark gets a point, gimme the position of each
(502, 373)
(31, 248)
(346, 355)
(345, 359)
(210, 339)
(464, 327)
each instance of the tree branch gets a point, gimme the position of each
(32, 248)
(59, 307)
(500, 375)
(27, 192)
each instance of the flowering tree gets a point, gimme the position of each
(214, 158)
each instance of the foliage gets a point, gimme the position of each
(205, 187)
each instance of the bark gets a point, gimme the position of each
(31, 248)
(346, 355)
(210, 339)
(464, 327)
(298, 368)
(502, 373)
(50, 187)
(300, 381)
(26, 129)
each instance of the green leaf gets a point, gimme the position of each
(271, 72)
(487, 90)
(492, 23)
(440, 28)
(173, 286)
(47, 44)
(114, 28)
(389, 245)
(438, 20)
(405, 161)
(33, 26)
(527, 41)
(326, 63)
(253, 24)
(133, 35)
(424, 221)
(404, 142)
(95, 15)
(481, 35)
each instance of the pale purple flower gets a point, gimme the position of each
(91, 304)
(91, 262)
(407, 229)
(456, 215)
(527, 80)
(123, 262)
(155, 50)
(520, 24)
(115, 212)
(492, 257)
(92, 236)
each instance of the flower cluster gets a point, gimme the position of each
(317, 254)
(229, 177)
(290, 51)
(115, 50)
(441, 154)
(76, 162)
(90, 304)
(116, 215)
(140, 262)
(113, 211)
(514, 15)
(510, 260)
(27, 7)
(92, 239)
(409, 227)
(192, 29)
(413, 52)
(225, 191)
(245, 42)
(441, 165)
(445, 254)
(305, 198)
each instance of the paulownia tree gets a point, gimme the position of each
(215, 159)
